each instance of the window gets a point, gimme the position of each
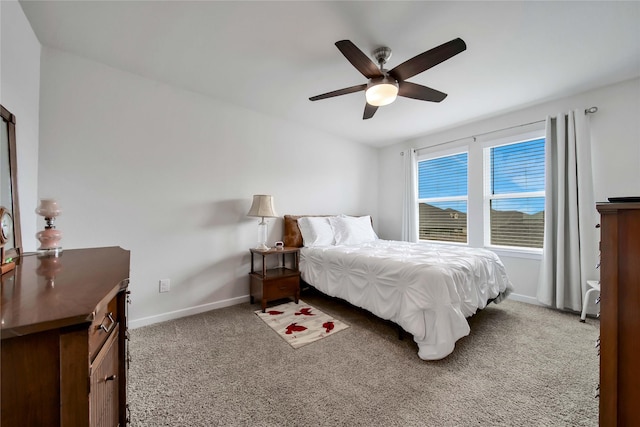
(514, 194)
(442, 198)
(485, 191)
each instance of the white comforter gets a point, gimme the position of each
(429, 290)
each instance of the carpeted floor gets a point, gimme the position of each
(522, 365)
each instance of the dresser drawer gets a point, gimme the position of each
(104, 377)
(281, 288)
(105, 321)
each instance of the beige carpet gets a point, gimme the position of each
(522, 365)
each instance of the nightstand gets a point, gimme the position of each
(273, 283)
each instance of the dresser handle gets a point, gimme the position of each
(110, 377)
(109, 328)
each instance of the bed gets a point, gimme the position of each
(429, 290)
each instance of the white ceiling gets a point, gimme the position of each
(272, 56)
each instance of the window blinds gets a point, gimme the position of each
(442, 198)
(516, 194)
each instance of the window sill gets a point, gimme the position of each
(442, 243)
(516, 253)
(500, 250)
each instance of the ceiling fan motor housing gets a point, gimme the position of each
(382, 55)
(386, 80)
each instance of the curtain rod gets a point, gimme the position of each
(590, 110)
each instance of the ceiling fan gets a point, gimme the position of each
(385, 85)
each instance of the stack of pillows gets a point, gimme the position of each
(336, 230)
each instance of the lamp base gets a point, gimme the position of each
(49, 242)
(49, 252)
(263, 231)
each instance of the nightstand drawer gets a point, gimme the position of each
(281, 288)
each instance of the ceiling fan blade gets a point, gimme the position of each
(423, 93)
(358, 59)
(339, 92)
(428, 59)
(369, 111)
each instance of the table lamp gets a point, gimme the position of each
(49, 237)
(262, 206)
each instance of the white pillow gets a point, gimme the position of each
(349, 230)
(316, 231)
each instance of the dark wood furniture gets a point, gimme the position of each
(63, 347)
(272, 283)
(620, 314)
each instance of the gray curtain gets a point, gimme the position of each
(570, 253)
(410, 197)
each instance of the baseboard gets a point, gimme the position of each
(137, 323)
(525, 298)
(531, 300)
(150, 320)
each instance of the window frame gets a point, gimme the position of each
(488, 196)
(432, 155)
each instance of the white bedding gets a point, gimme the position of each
(429, 290)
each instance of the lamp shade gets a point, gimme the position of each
(262, 206)
(48, 208)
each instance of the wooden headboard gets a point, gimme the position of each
(292, 234)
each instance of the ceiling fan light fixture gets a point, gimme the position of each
(381, 91)
(384, 85)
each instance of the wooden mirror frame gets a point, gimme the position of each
(9, 120)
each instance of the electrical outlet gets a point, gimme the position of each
(165, 285)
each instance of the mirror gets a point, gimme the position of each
(9, 180)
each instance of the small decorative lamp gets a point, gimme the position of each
(49, 237)
(262, 206)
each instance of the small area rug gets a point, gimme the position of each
(300, 324)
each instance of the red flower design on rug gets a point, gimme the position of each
(306, 311)
(274, 312)
(295, 328)
(328, 326)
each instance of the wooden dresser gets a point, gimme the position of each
(620, 314)
(63, 343)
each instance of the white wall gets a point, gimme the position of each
(169, 174)
(615, 156)
(20, 94)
